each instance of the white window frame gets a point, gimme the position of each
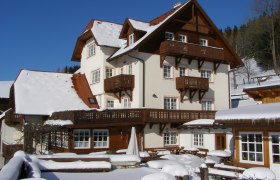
(122, 70)
(78, 142)
(110, 104)
(64, 139)
(102, 141)
(207, 105)
(169, 36)
(167, 71)
(182, 38)
(126, 103)
(203, 42)
(198, 140)
(130, 69)
(207, 73)
(131, 39)
(271, 144)
(91, 50)
(181, 70)
(170, 138)
(95, 76)
(169, 102)
(248, 150)
(109, 72)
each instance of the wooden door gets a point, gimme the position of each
(220, 141)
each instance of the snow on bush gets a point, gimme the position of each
(124, 158)
(158, 164)
(175, 170)
(158, 176)
(259, 173)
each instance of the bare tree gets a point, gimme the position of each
(249, 69)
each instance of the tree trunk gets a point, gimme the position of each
(273, 48)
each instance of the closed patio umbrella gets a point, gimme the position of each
(133, 146)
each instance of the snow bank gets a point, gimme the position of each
(159, 176)
(58, 122)
(159, 164)
(124, 158)
(175, 170)
(164, 152)
(11, 170)
(51, 165)
(219, 153)
(191, 149)
(259, 173)
(143, 154)
(121, 151)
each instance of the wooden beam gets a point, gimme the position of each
(162, 58)
(181, 21)
(216, 66)
(177, 62)
(129, 94)
(191, 94)
(161, 127)
(190, 61)
(118, 95)
(200, 64)
(151, 125)
(182, 95)
(201, 95)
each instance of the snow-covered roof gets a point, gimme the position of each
(107, 33)
(42, 93)
(139, 25)
(200, 122)
(58, 122)
(254, 112)
(5, 87)
(124, 49)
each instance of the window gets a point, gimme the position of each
(167, 71)
(169, 36)
(131, 39)
(126, 103)
(81, 138)
(203, 42)
(130, 69)
(64, 139)
(182, 38)
(100, 138)
(206, 74)
(53, 138)
(251, 147)
(91, 50)
(109, 72)
(170, 103)
(207, 105)
(95, 76)
(198, 140)
(275, 142)
(110, 104)
(182, 71)
(121, 70)
(170, 138)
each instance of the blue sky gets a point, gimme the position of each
(41, 35)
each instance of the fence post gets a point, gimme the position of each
(204, 172)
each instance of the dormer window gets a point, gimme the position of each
(203, 42)
(182, 38)
(131, 39)
(91, 50)
(169, 36)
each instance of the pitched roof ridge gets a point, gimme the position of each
(91, 23)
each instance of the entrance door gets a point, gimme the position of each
(274, 151)
(220, 141)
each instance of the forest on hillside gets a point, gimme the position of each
(259, 37)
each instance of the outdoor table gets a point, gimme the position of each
(192, 150)
(224, 155)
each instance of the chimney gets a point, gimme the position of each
(177, 5)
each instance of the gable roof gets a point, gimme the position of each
(42, 93)
(5, 87)
(150, 31)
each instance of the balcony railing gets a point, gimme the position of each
(136, 116)
(11, 117)
(187, 82)
(175, 48)
(119, 83)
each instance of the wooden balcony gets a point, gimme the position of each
(120, 84)
(12, 118)
(192, 51)
(192, 85)
(132, 116)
